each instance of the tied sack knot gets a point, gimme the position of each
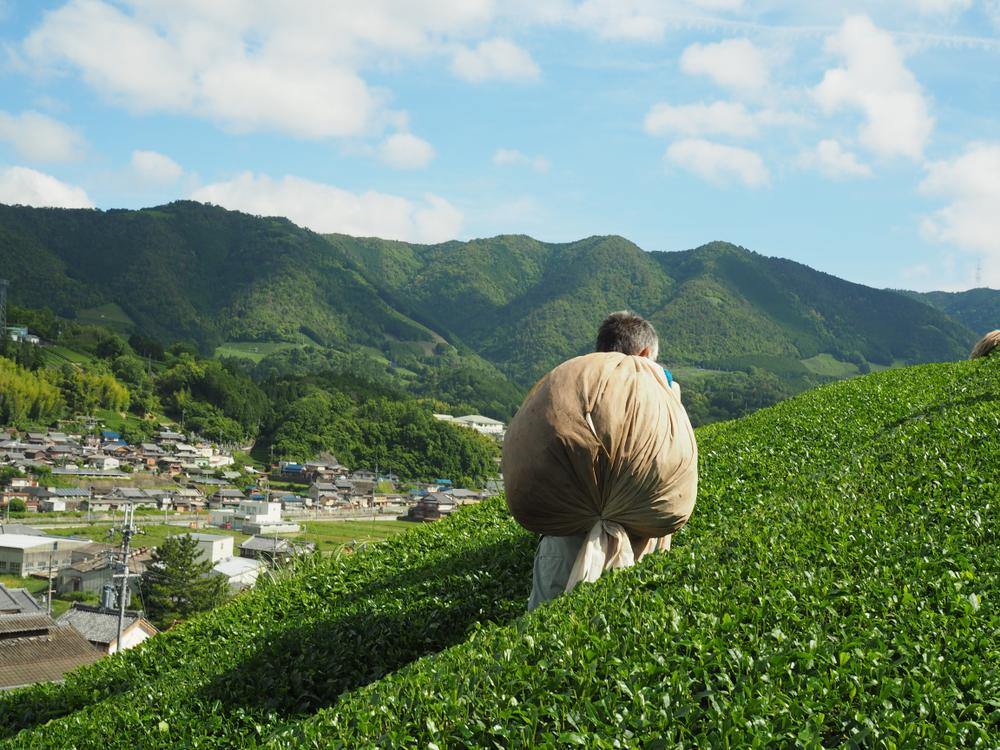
(607, 547)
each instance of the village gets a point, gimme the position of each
(64, 498)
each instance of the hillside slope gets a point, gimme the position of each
(527, 305)
(200, 272)
(977, 309)
(838, 583)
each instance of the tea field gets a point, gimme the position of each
(838, 585)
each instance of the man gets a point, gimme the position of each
(627, 333)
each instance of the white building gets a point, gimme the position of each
(482, 424)
(253, 517)
(213, 547)
(239, 572)
(22, 554)
(477, 422)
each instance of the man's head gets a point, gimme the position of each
(628, 333)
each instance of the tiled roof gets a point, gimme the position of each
(27, 622)
(17, 601)
(25, 661)
(95, 624)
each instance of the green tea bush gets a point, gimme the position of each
(837, 585)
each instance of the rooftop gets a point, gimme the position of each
(235, 566)
(96, 624)
(25, 661)
(27, 541)
(17, 601)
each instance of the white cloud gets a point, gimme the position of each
(717, 118)
(505, 157)
(643, 20)
(326, 208)
(250, 65)
(406, 151)
(876, 81)
(719, 164)
(154, 167)
(37, 137)
(834, 161)
(971, 220)
(494, 59)
(31, 188)
(736, 64)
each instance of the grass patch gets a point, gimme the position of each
(151, 534)
(109, 316)
(34, 585)
(827, 364)
(329, 534)
(253, 350)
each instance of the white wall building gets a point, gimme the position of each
(482, 424)
(213, 547)
(239, 572)
(22, 555)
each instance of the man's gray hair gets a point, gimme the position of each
(627, 333)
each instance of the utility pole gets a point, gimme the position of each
(48, 598)
(128, 530)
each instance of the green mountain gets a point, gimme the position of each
(838, 537)
(977, 309)
(526, 305)
(472, 323)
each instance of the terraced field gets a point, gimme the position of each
(838, 585)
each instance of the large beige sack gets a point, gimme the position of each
(602, 446)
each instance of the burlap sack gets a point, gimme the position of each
(601, 446)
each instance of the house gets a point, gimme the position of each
(96, 505)
(25, 554)
(432, 507)
(213, 548)
(104, 463)
(188, 499)
(35, 649)
(17, 601)
(51, 505)
(225, 497)
(92, 575)
(133, 495)
(325, 493)
(93, 551)
(464, 497)
(99, 625)
(253, 517)
(274, 549)
(239, 572)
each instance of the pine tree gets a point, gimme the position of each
(177, 584)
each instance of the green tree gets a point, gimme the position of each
(177, 584)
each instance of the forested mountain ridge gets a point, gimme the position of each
(713, 306)
(472, 322)
(978, 309)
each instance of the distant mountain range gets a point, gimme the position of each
(508, 307)
(978, 309)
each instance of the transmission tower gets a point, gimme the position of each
(3, 306)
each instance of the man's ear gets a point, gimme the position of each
(646, 352)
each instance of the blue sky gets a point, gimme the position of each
(860, 139)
